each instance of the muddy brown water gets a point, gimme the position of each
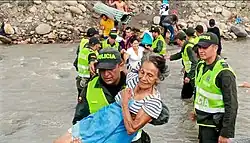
(38, 94)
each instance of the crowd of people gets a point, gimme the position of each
(118, 77)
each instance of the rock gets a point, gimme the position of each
(201, 14)
(59, 10)
(71, 2)
(156, 20)
(248, 30)
(82, 1)
(56, 3)
(68, 16)
(33, 9)
(238, 31)
(95, 15)
(196, 18)
(212, 4)
(43, 29)
(222, 3)
(198, 9)
(233, 35)
(63, 35)
(82, 7)
(226, 13)
(218, 9)
(52, 35)
(28, 20)
(211, 10)
(49, 17)
(222, 26)
(144, 22)
(209, 14)
(230, 5)
(37, 1)
(50, 7)
(75, 10)
(8, 29)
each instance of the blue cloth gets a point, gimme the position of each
(147, 39)
(164, 1)
(104, 126)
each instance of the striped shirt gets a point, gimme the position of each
(151, 104)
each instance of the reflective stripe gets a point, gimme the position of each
(206, 125)
(209, 110)
(83, 67)
(138, 135)
(84, 75)
(208, 94)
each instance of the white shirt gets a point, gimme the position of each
(134, 59)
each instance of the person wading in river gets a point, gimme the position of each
(215, 102)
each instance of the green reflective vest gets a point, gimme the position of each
(95, 96)
(196, 40)
(186, 61)
(209, 97)
(83, 43)
(164, 48)
(83, 63)
(105, 44)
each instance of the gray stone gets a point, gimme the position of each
(239, 31)
(59, 10)
(82, 7)
(28, 20)
(50, 7)
(71, 2)
(209, 14)
(156, 20)
(37, 1)
(56, 3)
(75, 10)
(52, 35)
(222, 3)
(211, 9)
(144, 22)
(82, 1)
(233, 35)
(43, 29)
(226, 13)
(33, 9)
(222, 26)
(201, 14)
(218, 9)
(68, 16)
(212, 4)
(198, 9)
(230, 5)
(196, 18)
(49, 17)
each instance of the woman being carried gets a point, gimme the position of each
(138, 104)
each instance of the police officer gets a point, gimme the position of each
(85, 55)
(189, 61)
(102, 89)
(216, 94)
(91, 32)
(111, 41)
(159, 44)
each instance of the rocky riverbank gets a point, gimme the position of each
(67, 21)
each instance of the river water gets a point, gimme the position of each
(38, 94)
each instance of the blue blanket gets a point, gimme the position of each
(104, 126)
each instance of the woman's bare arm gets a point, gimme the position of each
(141, 117)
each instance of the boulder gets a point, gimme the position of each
(50, 7)
(71, 2)
(230, 4)
(156, 20)
(201, 14)
(218, 9)
(82, 7)
(59, 10)
(226, 13)
(75, 10)
(238, 31)
(37, 1)
(33, 9)
(43, 29)
(8, 29)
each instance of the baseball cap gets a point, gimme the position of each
(207, 39)
(91, 32)
(181, 35)
(113, 34)
(108, 58)
(94, 41)
(190, 31)
(155, 29)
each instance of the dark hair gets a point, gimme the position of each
(128, 28)
(104, 15)
(211, 22)
(199, 28)
(134, 38)
(159, 61)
